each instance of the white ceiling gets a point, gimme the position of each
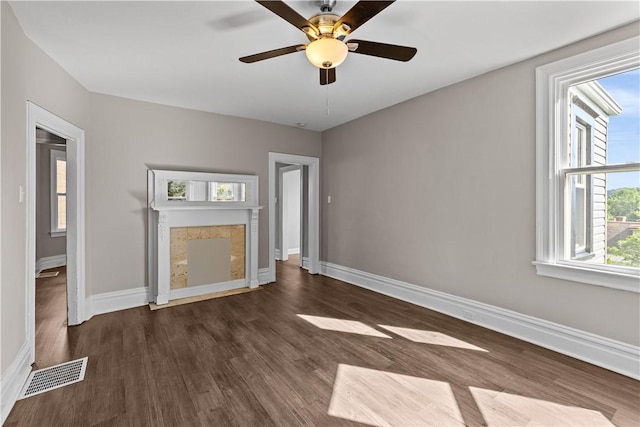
(186, 53)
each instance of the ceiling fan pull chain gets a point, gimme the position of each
(327, 100)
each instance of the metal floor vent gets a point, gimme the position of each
(54, 377)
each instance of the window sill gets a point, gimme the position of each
(608, 279)
(58, 234)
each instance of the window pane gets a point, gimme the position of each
(61, 176)
(603, 218)
(623, 131)
(62, 212)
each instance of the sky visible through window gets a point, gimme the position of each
(623, 144)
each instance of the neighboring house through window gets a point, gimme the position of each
(590, 108)
(588, 155)
(58, 193)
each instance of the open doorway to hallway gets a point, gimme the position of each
(72, 167)
(290, 225)
(51, 345)
(310, 201)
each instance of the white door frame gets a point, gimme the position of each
(38, 116)
(313, 232)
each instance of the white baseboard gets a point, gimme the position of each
(293, 251)
(277, 254)
(12, 381)
(114, 301)
(305, 262)
(130, 298)
(604, 352)
(263, 276)
(53, 261)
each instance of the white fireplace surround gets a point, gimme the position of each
(165, 213)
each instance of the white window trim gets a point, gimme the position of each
(55, 156)
(552, 86)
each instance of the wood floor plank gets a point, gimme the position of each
(255, 360)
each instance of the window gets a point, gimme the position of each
(58, 193)
(588, 167)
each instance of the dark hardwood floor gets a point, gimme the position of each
(52, 341)
(310, 350)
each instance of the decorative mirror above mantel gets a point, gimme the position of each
(203, 233)
(181, 189)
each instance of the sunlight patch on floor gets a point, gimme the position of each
(341, 325)
(501, 409)
(380, 398)
(430, 337)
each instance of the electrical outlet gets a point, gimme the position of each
(469, 315)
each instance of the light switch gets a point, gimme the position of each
(329, 199)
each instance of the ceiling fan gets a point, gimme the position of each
(326, 32)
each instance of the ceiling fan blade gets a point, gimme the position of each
(383, 50)
(272, 53)
(327, 76)
(360, 13)
(288, 14)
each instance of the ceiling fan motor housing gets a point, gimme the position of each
(324, 22)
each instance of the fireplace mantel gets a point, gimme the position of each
(202, 202)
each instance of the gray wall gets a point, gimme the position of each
(439, 191)
(46, 245)
(27, 74)
(131, 136)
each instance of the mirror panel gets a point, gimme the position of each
(206, 191)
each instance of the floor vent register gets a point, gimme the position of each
(54, 377)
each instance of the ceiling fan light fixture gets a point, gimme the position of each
(326, 52)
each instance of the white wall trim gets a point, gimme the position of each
(293, 251)
(305, 262)
(13, 379)
(264, 276)
(48, 262)
(109, 302)
(277, 254)
(604, 352)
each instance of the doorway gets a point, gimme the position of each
(290, 224)
(309, 168)
(39, 118)
(51, 257)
